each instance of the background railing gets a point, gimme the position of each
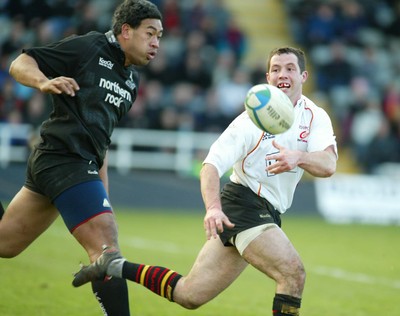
(14, 140)
(158, 150)
(131, 148)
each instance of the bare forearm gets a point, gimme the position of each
(319, 164)
(210, 186)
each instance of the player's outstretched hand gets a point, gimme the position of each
(214, 222)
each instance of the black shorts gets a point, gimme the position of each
(45, 177)
(245, 209)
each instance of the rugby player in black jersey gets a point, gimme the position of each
(92, 82)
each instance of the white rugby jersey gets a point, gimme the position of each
(243, 147)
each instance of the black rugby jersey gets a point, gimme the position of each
(81, 126)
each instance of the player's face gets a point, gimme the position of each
(141, 45)
(285, 74)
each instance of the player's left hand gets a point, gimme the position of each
(284, 160)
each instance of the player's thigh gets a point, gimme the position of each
(27, 216)
(273, 254)
(88, 215)
(215, 268)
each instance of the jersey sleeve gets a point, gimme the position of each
(322, 134)
(233, 144)
(60, 58)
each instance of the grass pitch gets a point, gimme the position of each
(352, 270)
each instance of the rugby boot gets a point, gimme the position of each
(98, 269)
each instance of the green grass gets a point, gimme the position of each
(351, 269)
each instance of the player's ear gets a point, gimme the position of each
(304, 74)
(125, 30)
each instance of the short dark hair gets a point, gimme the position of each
(301, 57)
(133, 12)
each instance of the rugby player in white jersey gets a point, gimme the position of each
(242, 221)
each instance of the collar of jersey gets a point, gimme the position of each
(113, 42)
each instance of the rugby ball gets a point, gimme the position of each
(269, 108)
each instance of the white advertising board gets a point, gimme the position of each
(371, 199)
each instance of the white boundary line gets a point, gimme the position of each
(341, 274)
(332, 272)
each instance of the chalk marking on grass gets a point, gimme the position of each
(338, 273)
(157, 245)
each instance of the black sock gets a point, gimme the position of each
(112, 296)
(1, 211)
(159, 280)
(286, 305)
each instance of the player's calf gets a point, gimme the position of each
(159, 280)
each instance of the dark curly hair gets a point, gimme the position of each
(133, 12)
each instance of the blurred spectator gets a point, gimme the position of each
(393, 27)
(338, 71)
(384, 147)
(366, 125)
(9, 102)
(391, 102)
(211, 119)
(160, 70)
(235, 40)
(173, 47)
(321, 26)
(194, 72)
(171, 15)
(154, 101)
(352, 20)
(232, 92)
(194, 15)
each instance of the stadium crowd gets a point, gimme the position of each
(355, 49)
(198, 80)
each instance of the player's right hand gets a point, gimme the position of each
(214, 222)
(60, 85)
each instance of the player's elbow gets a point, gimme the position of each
(329, 171)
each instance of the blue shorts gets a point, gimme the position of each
(81, 202)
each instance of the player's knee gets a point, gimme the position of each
(191, 303)
(293, 275)
(297, 273)
(191, 300)
(301, 274)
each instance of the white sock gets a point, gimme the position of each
(115, 268)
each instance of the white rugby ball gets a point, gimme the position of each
(269, 108)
